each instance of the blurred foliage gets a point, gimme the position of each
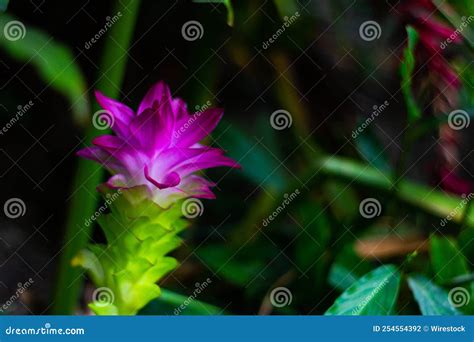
(317, 71)
(53, 61)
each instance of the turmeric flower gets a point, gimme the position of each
(157, 148)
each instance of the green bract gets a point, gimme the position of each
(139, 236)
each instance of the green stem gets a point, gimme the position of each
(432, 201)
(88, 175)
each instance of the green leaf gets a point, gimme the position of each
(228, 5)
(407, 68)
(433, 201)
(432, 300)
(258, 165)
(370, 148)
(342, 199)
(3, 5)
(172, 303)
(311, 245)
(54, 62)
(457, 21)
(229, 264)
(347, 268)
(447, 260)
(375, 293)
(286, 8)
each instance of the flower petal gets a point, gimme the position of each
(156, 93)
(194, 128)
(170, 180)
(122, 114)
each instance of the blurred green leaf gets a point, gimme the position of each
(407, 68)
(54, 62)
(229, 264)
(347, 268)
(375, 293)
(3, 5)
(172, 303)
(311, 244)
(342, 200)
(286, 8)
(257, 164)
(435, 202)
(447, 260)
(372, 150)
(228, 5)
(432, 300)
(457, 21)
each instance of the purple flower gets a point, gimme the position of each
(157, 148)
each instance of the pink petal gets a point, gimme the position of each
(156, 93)
(170, 180)
(194, 128)
(122, 114)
